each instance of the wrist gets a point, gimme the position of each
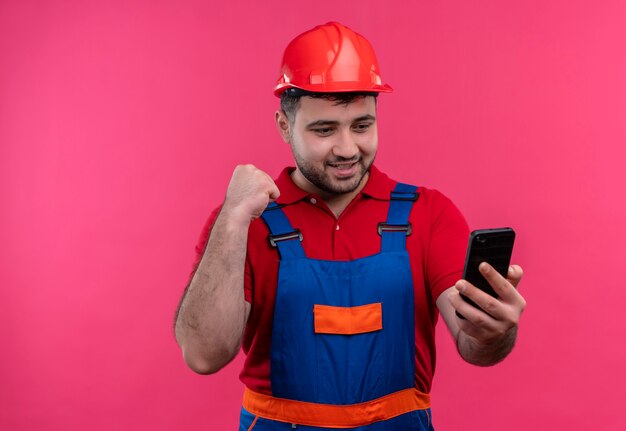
(235, 217)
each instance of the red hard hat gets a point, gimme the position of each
(330, 58)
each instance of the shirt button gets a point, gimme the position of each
(337, 228)
(313, 201)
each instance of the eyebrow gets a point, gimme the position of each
(367, 117)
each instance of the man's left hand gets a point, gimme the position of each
(496, 316)
(487, 334)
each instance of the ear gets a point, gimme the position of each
(282, 123)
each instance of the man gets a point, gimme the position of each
(332, 277)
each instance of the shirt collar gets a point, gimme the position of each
(378, 186)
(289, 191)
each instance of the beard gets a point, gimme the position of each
(329, 184)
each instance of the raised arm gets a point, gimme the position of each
(488, 334)
(213, 313)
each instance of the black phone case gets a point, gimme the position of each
(493, 246)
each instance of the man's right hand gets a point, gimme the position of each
(249, 192)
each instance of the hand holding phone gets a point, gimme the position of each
(494, 246)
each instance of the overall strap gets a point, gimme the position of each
(282, 235)
(397, 227)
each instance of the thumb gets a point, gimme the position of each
(274, 193)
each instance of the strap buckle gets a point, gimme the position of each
(274, 239)
(403, 196)
(274, 206)
(386, 227)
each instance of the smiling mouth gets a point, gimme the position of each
(344, 169)
(343, 165)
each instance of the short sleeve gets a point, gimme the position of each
(447, 246)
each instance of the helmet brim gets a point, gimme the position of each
(334, 87)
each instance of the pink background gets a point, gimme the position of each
(121, 122)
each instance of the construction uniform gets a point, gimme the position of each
(341, 332)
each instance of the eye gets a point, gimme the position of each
(323, 131)
(361, 127)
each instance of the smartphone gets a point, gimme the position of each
(493, 246)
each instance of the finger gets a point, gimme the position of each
(475, 319)
(515, 275)
(477, 324)
(503, 288)
(485, 302)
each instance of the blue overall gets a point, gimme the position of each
(340, 369)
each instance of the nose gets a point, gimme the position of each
(345, 145)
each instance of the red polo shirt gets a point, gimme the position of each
(436, 249)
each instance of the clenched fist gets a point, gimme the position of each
(250, 190)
